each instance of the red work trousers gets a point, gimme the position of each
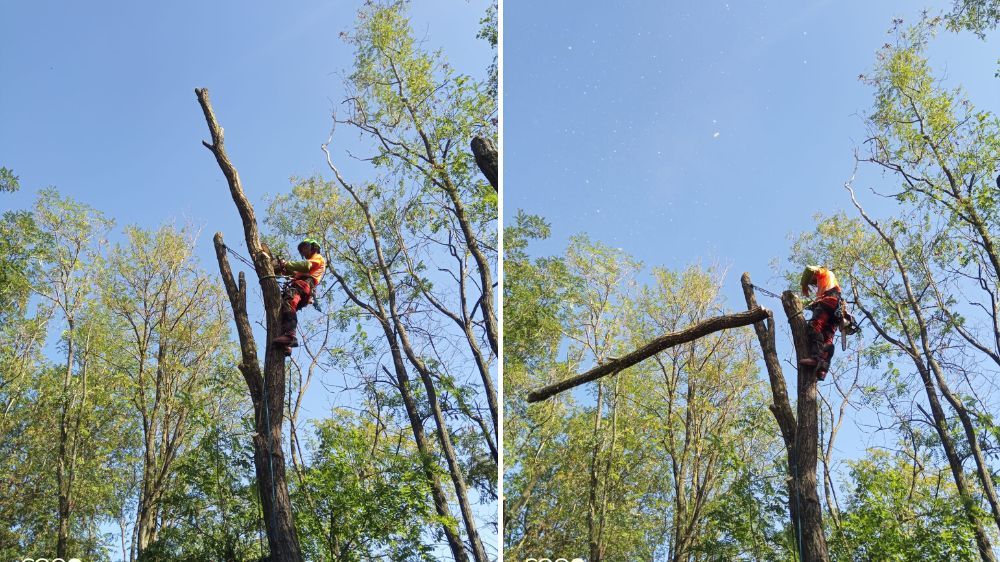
(295, 298)
(824, 326)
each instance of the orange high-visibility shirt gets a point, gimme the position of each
(317, 266)
(823, 278)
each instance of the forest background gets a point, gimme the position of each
(125, 428)
(690, 145)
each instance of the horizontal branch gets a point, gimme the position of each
(655, 346)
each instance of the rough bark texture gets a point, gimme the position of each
(486, 157)
(267, 388)
(813, 542)
(801, 434)
(650, 349)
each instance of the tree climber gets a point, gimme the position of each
(827, 315)
(297, 293)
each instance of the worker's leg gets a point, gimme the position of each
(288, 318)
(821, 332)
(825, 330)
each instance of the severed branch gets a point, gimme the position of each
(486, 157)
(653, 347)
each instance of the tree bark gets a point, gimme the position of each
(593, 541)
(399, 331)
(813, 542)
(267, 388)
(650, 349)
(801, 435)
(487, 160)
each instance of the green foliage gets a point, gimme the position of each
(644, 446)
(214, 504)
(8, 181)
(897, 511)
(977, 16)
(490, 32)
(366, 493)
(419, 112)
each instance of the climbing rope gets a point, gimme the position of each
(765, 291)
(270, 458)
(239, 257)
(798, 509)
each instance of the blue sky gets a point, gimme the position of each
(681, 131)
(98, 101)
(702, 132)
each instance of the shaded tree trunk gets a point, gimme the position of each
(267, 387)
(801, 433)
(593, 540)
(64, 471)
(399, 335)
(812, 541)
(487, 159)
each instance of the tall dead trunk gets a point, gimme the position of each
(800, 433)
(812, 541)
(267, 387)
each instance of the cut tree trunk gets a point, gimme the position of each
(813, 542)
(267, 388)
(801, 435)
(486, 157)
(650, 349)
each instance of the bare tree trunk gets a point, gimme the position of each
(267, 388)
(444, 438)
(437, 491)
(813, 542)
(400, 332)
(416, 423)
(985, 475)
(801, 434)
(910, 347)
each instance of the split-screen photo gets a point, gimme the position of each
(489, 281)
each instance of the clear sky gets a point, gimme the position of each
(686, 132)
(98, 100)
